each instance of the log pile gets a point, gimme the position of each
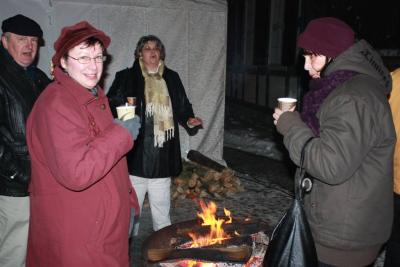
(198, 181)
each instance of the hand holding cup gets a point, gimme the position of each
(132, 125)
(131, 100)
(284, 104)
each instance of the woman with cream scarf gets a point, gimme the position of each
(161, 103)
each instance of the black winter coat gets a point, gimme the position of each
(145, 160)
(19, 89)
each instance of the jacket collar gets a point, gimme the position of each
(10, 62)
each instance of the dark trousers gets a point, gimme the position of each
(392, 258)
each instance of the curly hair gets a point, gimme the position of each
(147, 38)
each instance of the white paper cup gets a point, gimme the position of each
(126, 112)
(286, 103)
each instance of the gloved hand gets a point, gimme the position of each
(132, 125)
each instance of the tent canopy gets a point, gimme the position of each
(193, 32)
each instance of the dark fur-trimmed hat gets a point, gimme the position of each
(19, 24)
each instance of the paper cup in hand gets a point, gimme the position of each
(131, 100)
(286, 103)
(126, 112)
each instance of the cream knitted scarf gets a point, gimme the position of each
(158, 104)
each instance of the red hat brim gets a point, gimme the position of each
(73, 35)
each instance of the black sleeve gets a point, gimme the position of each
(184, 109)
(9, 166)
(117, 92)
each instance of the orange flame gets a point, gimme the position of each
(191, 263)
(217, 233)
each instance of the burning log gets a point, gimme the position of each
(238, 229)
(229, 242)
(239, 254)
(210, 240)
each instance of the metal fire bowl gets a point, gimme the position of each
(169, 237)
(162, 238)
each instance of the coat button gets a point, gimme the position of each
(103, 106)
(93, 123)
(130, 191)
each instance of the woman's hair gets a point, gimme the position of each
(91, 41)
(142, 42)
(310, 53)
(328, 60)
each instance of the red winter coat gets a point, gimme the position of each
(80, 191)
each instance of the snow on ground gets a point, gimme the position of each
(252, 130)
(253, 144)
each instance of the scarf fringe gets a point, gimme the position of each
(154, 108)
(159, 140)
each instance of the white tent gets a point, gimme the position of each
(193, 32)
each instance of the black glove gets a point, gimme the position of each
(132, 125)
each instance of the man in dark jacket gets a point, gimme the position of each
(20, 84)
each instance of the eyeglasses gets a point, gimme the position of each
(87, 60)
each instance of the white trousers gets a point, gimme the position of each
(14, 224)
(159, 194)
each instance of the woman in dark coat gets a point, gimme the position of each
(350, 207)
(161, 103)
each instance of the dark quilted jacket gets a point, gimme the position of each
(19, 88)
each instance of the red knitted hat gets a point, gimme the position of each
(73, 35)
(326, 36)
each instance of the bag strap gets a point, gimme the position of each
(302, 184)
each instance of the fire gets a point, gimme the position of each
(217, 233)
(191, 263)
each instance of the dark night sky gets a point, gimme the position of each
(378, 21)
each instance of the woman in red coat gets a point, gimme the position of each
(80, 192)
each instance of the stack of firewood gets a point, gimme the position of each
(198, 181)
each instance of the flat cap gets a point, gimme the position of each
(21, 25)
(73, 35)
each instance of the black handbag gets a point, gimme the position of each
(292, 243)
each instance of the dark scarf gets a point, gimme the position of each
(319, 90)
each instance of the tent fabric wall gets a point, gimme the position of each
(193, 32)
